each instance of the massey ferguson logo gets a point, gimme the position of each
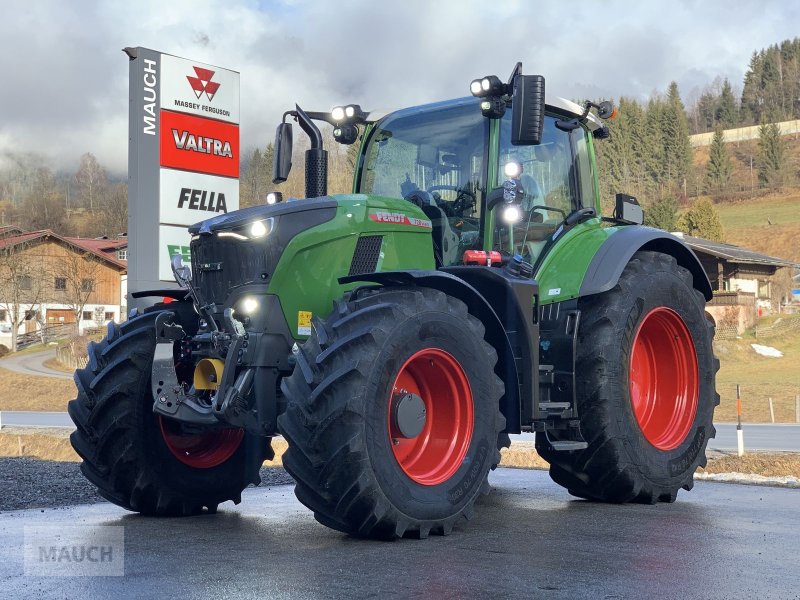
(202, 84)
(204, 145)
(202, 200)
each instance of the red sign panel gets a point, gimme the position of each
(197, 144)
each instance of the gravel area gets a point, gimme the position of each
(30, 483)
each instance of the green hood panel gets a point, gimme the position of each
(306, 276)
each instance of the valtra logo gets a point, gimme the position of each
(203, 84)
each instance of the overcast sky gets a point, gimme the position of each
(64, 84)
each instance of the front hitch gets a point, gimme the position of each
(229, 404)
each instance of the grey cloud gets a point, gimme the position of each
(65, 79)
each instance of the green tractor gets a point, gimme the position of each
(466, 290)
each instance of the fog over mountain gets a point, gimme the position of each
(65, 80)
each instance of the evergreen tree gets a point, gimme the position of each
(662, 214)
(720, 167)
(726, 113)
(771, 155)
(676, 149)
(702, 220)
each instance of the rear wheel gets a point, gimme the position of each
(146, 463)
(393, 415)
(645, 387)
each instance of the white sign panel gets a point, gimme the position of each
(199, 89)
(188, 198)
(172, 241)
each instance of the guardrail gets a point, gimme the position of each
(19, 418)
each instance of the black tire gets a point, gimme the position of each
(620, 464)
(120, 441)
(340, 452)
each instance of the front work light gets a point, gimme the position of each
(512, 214)
(274, 198)
(351, 113)
(512, 170)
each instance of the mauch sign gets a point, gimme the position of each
(183, 159)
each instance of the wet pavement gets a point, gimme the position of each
(528, 539)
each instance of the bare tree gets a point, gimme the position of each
(92, 181)
(115, 210)
(80, 271)
(23, 283)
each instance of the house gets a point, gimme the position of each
(48, 279)
(742, 281)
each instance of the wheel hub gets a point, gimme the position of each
(430, 420)
(664, 380)
(408, 414)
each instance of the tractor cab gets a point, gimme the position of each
(446, 157)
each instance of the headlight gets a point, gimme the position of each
(259, 229)
(248, 306)
(255, 230)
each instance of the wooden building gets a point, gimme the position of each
(741, 280)
(47, 279)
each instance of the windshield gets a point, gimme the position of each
(550, 183)
(433, 156)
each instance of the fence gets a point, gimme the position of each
(71, 355)
(44, 335)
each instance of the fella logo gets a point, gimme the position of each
(202, 200)
(202, 84)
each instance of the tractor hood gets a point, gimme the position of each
(243, 217)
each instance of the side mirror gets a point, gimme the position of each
(282, 161)
(527, 117)
(181, 272)
(628, 210)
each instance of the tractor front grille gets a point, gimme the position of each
(221, 264)
(365, 258)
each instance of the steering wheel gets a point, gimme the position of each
(460, 204)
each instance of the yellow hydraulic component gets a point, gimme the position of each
(208, 374)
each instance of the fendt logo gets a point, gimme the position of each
(203, 84)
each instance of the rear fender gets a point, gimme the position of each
(614, 254)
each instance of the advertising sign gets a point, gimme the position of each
(183, 159)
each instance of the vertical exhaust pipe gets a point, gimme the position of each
(316, 157)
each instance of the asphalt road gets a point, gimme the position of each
(32, 363)
(527, 540)
(761, 436)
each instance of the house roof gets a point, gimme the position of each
(104, 249)
(9, 230)
(732, 253)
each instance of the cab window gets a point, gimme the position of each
(551, 184)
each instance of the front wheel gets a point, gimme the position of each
(644, 385)
(143, 462)
(393, 415)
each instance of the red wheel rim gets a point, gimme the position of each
(435, 454)
(200, 450)
(664, 383)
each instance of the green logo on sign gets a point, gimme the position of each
(183, 251)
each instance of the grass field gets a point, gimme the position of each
(759, 377)
(31, 392)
